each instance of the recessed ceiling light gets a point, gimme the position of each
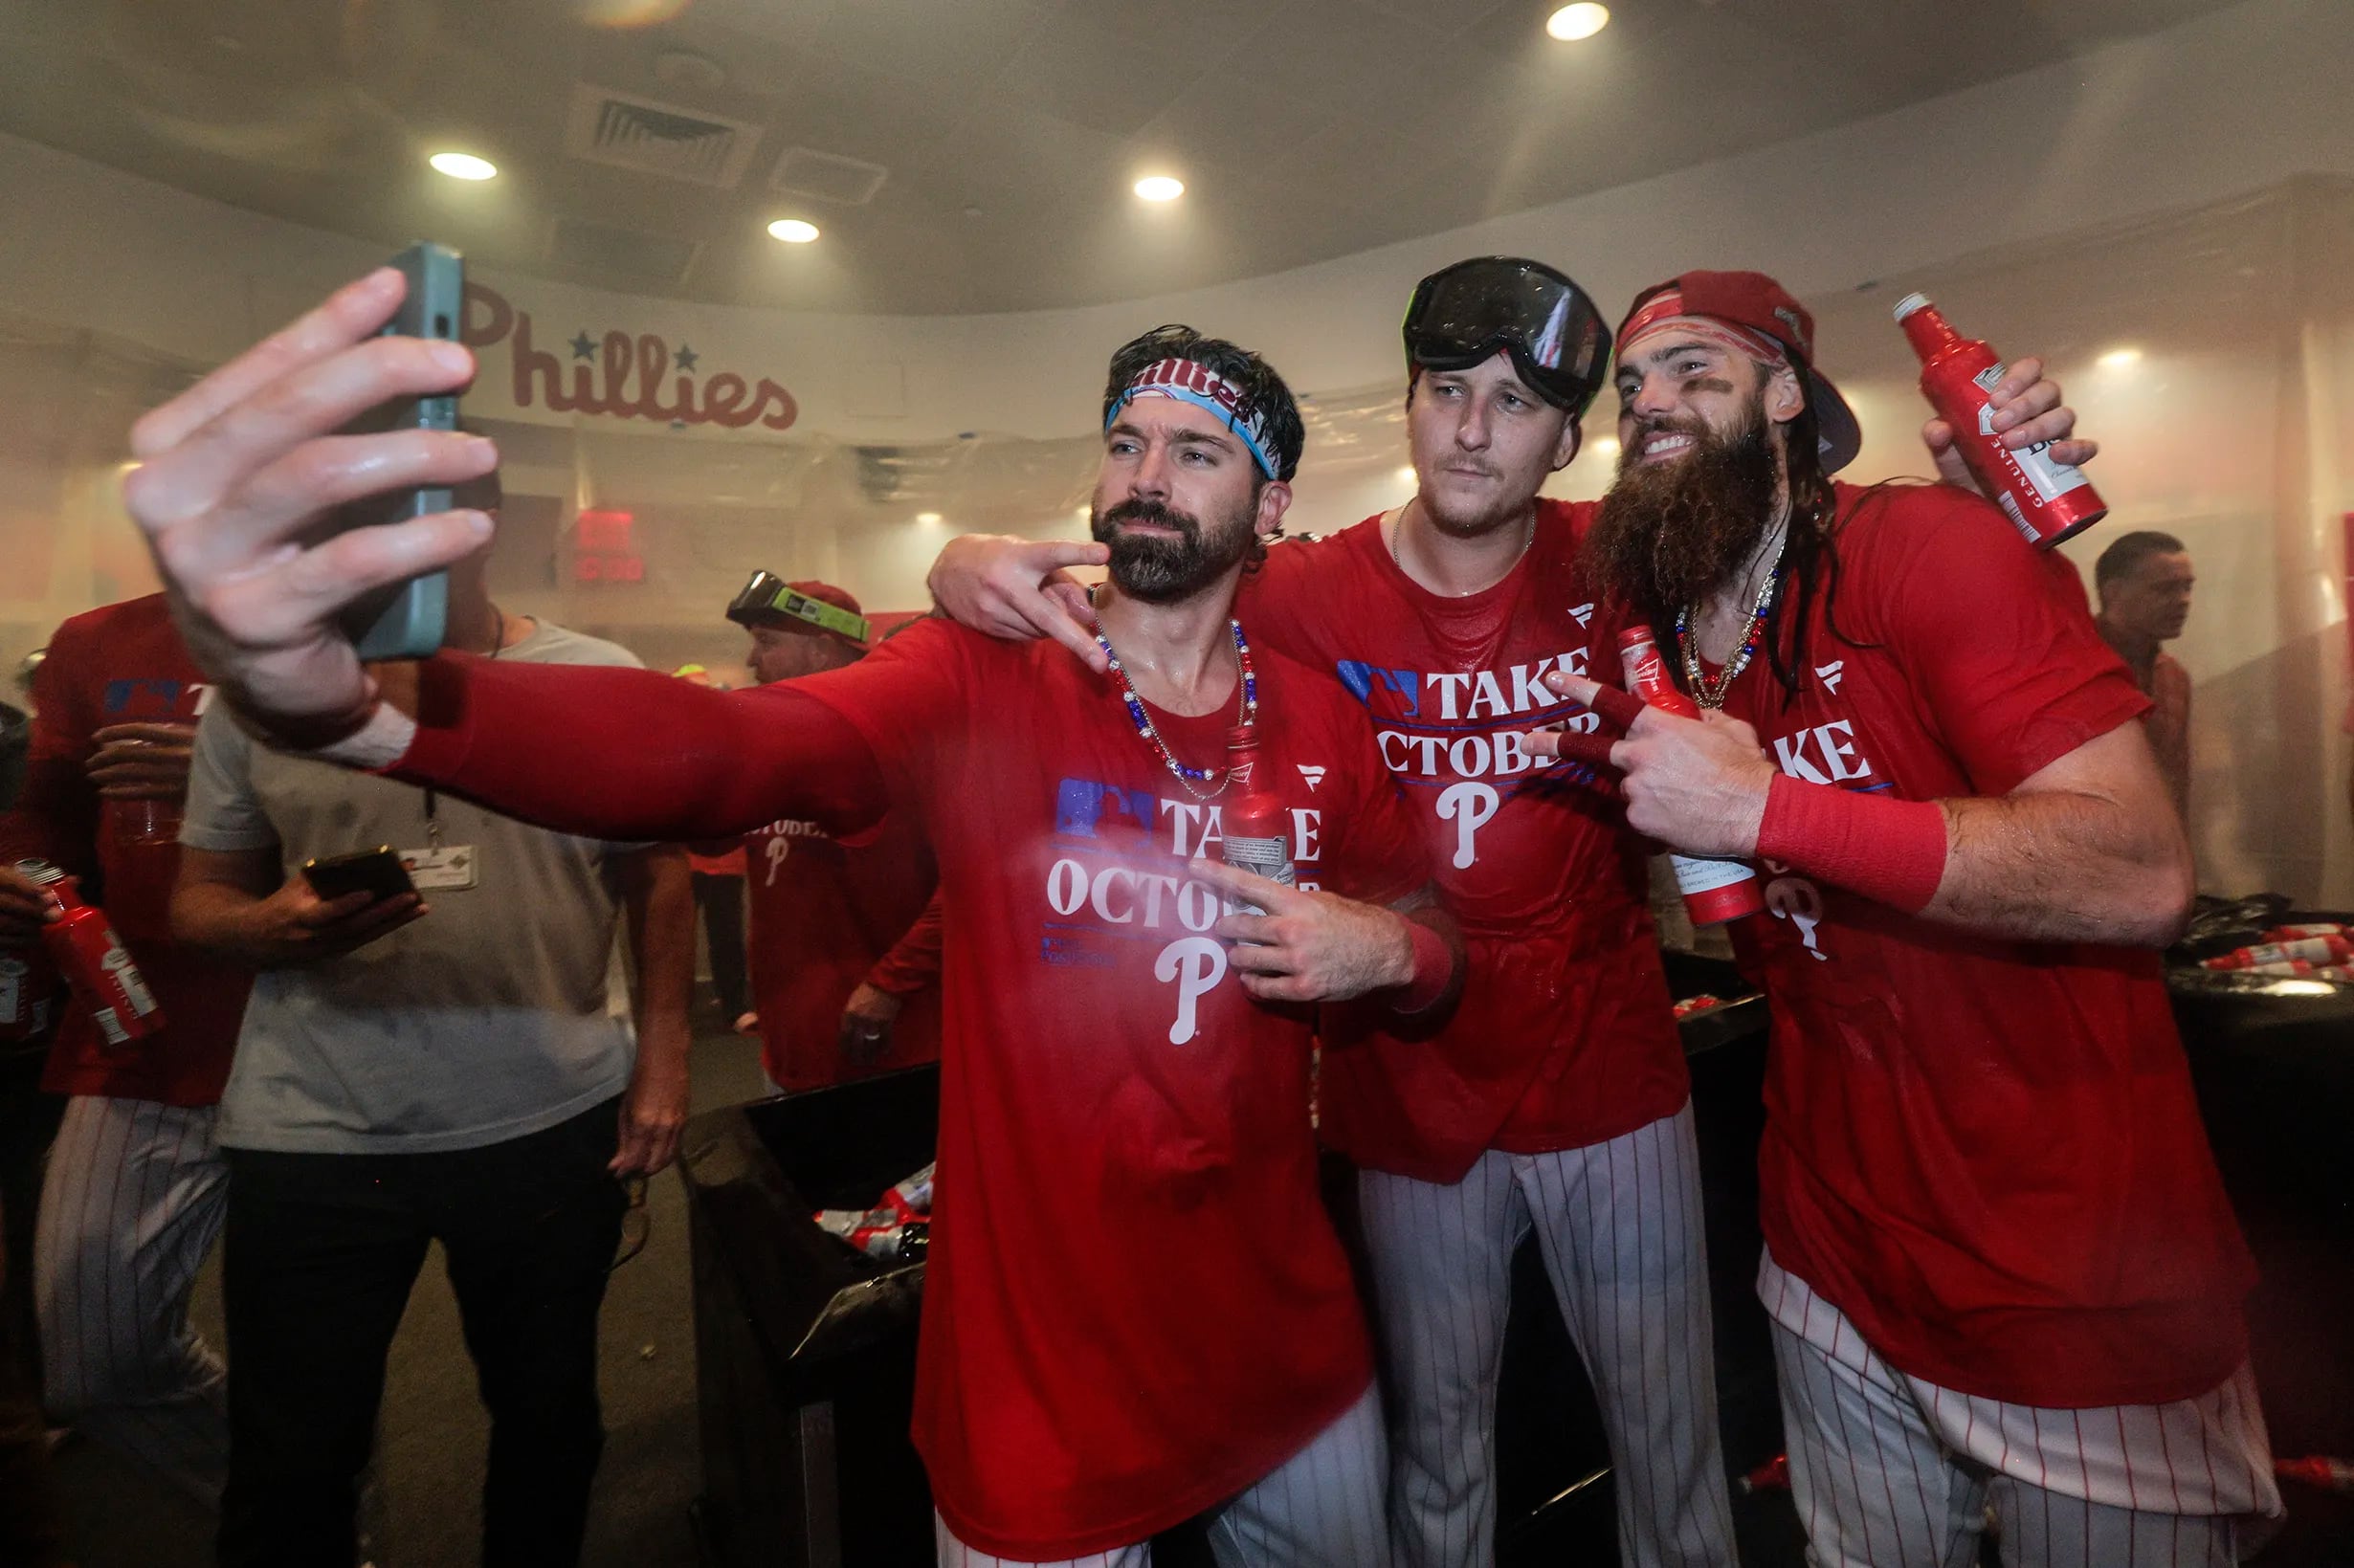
(2117, 359)
(1160, 187)
(793, 231)
(1583, 20)
(1607, 446)
(1406, 475)
(929, 519)
(463, 166)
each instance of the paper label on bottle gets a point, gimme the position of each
(2010, 504)
(1696, 874)
(13, 999)
(2045, 474)
(118, 963)
(1267, 858)
(111, 1027)
(2049, 479)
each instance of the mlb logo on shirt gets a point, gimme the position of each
(154, 699)
(1080, 804)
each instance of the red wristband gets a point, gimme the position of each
(1433, 969)
(1891, 851)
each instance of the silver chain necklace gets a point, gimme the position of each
(1396, 559)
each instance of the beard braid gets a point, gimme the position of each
(1669, 535)
(1164, 570)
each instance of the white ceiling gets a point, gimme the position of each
(1011, 129)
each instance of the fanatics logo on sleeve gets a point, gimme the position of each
(1583, 614)
(1829, 674)
(1313, 775)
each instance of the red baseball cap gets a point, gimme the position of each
(1761, 308)
(825, 593)
(810, 608)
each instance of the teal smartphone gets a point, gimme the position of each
(408, 620)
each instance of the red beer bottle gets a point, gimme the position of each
(94, 960)
(1255, 823)
(2046, 499)
(1715, 890)
(2318, 1471)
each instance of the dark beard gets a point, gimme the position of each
(1669, 535)
(1160, 571)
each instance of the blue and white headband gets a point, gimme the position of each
(1188, 381)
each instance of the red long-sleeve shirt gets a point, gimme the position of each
(114, 665)
(1137, 1305)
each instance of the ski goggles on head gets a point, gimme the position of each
(768, 600)
(1462, 314)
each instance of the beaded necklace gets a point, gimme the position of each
(1188, 777)
(1710, 694)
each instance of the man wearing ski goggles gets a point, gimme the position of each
(1556, 1099)
(769, 601)
(1463, 315)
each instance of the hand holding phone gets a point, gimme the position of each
(340, 903)
(377, 872)
(408, 620)
(239, 485)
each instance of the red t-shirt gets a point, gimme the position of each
(825, 914)
(1984, 1152)
(1135, 1304)
(122, 664)
(1564, 1037)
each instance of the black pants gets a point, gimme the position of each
(32, 1519)
(322, 1251)
(27, 1125)
(721, 898)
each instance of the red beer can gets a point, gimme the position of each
(2046, 499)
(28, 995)
(1715, 890)
(85, 949)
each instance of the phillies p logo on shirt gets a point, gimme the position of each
(1118, 878)
(1458, 732)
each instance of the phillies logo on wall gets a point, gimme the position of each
(619, 375)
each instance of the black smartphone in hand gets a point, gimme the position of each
(378, 872)
(408, 620)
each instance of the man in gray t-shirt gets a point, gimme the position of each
(439, 1066)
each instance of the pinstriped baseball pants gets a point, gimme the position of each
(1894, 1472)
(134, 1199)
(1619, 1227)
(1320, 1508)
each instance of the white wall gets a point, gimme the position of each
(2230, 102)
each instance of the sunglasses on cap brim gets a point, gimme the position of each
(1462, 315)
(768, 600)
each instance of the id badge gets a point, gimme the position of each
(445, 867)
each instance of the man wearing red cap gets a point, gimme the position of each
(1557, 1100)
(2000, 1262)
(845, 934)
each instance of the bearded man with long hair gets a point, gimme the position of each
(2000, 1264)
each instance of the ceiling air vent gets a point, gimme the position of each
(828, 176)
(623, 131)
(609, 254)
